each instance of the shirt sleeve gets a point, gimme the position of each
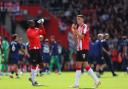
(42, 32)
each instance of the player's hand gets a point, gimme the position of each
(109, 53)
(74, 27)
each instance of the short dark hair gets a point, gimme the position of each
(14, 36)
(30, 21)
(80, 15)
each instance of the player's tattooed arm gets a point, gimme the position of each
(75, 32)
(73, 29)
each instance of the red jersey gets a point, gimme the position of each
(33, 35)
(83, 44)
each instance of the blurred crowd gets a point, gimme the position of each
(10, 8)
(108, 16)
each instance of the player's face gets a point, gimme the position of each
(79, 20)
(17, 39)
(107, 37)
(20, 40)
(100, 37)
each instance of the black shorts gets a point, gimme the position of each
(99, 60)
(35, 56)
(82, 56)
(91, 59)
(46, 58)
(13, 59)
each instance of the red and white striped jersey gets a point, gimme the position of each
(83, 44)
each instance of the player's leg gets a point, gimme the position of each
(6, 60)
(33, 74)
(57, 62)
(3, 66)
(11, 70)
(12, 62)
(109, 63)
(40, 68)
(0, 62)
(97, 66)
(84, 57)
(47, 68)
(91, 73)
(16, 70)
(99, 63)
(0, 69)
(52, 62)
(98, 70)
(78, 69)
(78, 73)
(44, 64)
(39, 62)
(20, 62)
(47, 64)
(33, 60)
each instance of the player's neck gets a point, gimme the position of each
(81, 24)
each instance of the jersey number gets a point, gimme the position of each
(13, 48)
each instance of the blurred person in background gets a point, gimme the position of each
(66, 59)
(14, 55)
(107, 54)
(91, 54)
(98, 54)
(60, 49)
(123, 52)
(1, 55)
(21, 56)
(5, 48)
(54, 55)
(45, 55)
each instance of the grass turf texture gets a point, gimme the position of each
(63, 81)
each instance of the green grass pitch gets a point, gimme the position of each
(63, 81)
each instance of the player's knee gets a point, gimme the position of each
(78, 68)
(87, 68)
